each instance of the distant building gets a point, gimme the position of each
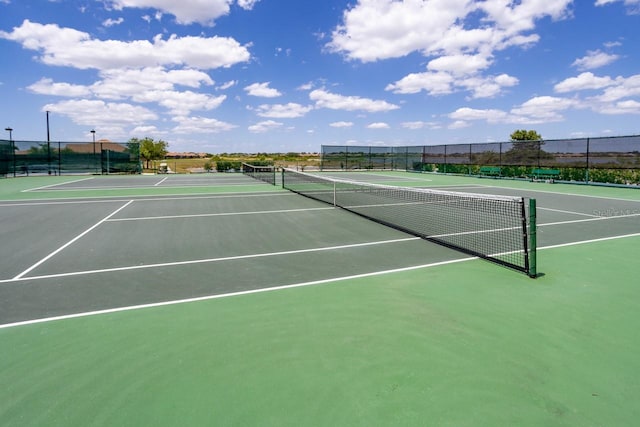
(101, 144)
(189, 155)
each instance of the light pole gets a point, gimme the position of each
(13, 149)
(48, 146)
(95, 161)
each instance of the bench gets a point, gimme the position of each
(490, 171)
(544, 174)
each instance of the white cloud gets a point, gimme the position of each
(633, 6)
(584, 81)
(180, 103)
(146, 130)
(413, 125)
(459, 65)
(95, 112)
(149, 85)
(185, 11)
(157, 85)
(111, 22)
(458, 124)
(622, 107)
(227, 85)
(381, 29)
(623, 88)
(417, 125)
(47, 86)
(619, 96)
(487, 87)
(444, 83)
(72, 48)
(306, 86)
(247, 4)
(262, 90)
(324, 99)
(283, 111)
(341, 124)
(264, 126)
(432, 83)
(594, 59)
(543, 109)
(378, 125)
(118, 84)
(490, 115)
(188, 125)
(460, 36)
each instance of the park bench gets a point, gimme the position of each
(549, 174)
(490, 171)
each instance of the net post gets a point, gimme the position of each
(533, 241)
(334, 193)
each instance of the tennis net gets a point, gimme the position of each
(263, 173)
(488, 226)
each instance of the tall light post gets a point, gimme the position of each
(95, 161)
(13, 149)
(48, 145)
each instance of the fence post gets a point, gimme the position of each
(586, 175)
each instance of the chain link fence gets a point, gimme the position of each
(24, 158)
(605, 159)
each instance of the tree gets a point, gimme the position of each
(525, 135)
(526, 149)
(150, 149)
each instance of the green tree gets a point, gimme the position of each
(150, 149)
(526, 149)
(525, 135)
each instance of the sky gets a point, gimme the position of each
(228, 76)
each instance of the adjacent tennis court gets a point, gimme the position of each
(220, 299)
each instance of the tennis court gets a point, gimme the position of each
(219, 299)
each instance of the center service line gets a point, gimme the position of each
(19, 276)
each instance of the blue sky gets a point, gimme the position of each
(291, 75)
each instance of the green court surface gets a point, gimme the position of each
(222, 301)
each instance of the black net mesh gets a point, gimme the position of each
(491, 227)
(262, 173)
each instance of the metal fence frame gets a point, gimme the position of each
(24, 158)
(580, 154)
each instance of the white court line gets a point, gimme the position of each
(69, 202)
(283, 287)
(199, 261)
(145, 198)
(600, 218)
(71, 241)
(160, 182)
(232, 294)
(144, 218)
(583, 242)
(277, 288)
(54, 185)
(569, 212)
(144, 187)
(556, 193)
